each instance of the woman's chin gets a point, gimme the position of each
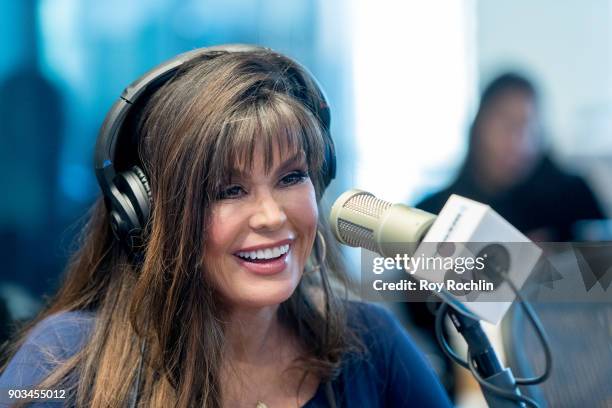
(242, 288)
(264, 297)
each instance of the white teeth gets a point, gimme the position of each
(268, 253)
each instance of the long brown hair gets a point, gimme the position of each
(193, 131)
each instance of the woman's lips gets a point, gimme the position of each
(265, 266)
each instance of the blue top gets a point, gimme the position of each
(392, 373)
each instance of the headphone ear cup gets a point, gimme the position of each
(134, 206)
(124, 220)
(329, 172)
(146, 206)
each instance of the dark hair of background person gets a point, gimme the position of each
(540, 198)
(190, 140)
(498, 88)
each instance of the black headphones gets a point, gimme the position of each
(126, 190)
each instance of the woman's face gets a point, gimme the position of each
(262, 231)
(508, 143)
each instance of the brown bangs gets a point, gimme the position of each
(278, 122)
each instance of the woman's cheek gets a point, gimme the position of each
(222, 229)
(303, 210)
(305, 202)
(215, 232)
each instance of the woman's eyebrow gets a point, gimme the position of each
(237, 174)
(297, 159)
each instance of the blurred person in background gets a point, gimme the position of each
(507, 167)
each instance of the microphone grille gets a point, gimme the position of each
(355, 235)
(367, 204)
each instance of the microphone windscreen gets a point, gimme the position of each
(354, 217)
(359, 219)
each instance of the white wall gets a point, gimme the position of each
(414, 82)
(567, 47)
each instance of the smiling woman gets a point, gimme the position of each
(203, 277)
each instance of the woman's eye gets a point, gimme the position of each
(295, 177)
(231, 192)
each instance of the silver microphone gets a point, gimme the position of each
(359, 219)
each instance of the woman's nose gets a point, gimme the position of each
(268, 214)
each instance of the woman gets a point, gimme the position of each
(508, 168)
(217, 292)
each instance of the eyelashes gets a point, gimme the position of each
(235, 191)
(295, 177)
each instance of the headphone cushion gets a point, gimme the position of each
(145, 182)
(135, 188)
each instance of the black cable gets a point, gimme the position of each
(469, 364)
(329, 394)
(540, 332)
(136, 390)
(137, 259)
(446, 348)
